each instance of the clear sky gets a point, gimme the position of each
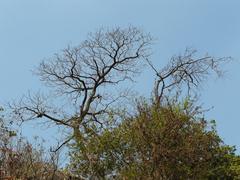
(31, 30)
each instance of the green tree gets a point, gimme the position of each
(167, 142)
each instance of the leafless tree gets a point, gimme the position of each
(185, 72)
(83, 74)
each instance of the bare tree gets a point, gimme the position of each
(184, 72)
(82, 74)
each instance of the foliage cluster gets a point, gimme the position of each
(169, 142)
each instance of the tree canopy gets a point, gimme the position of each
(167, 142)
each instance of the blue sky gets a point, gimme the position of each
(32, 30)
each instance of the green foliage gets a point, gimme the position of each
(167, 142)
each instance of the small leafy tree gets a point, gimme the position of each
(20, 159)
(23, 160)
